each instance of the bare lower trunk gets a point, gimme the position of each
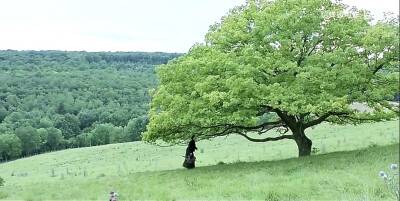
(304, 144)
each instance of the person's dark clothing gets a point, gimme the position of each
(191, 148)
(190, 159)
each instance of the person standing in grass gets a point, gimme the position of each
(191, 147)
(189, 156)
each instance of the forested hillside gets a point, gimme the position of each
(51, 100)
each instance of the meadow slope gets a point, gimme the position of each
(227, 168)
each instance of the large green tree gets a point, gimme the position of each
(69, 125)
(53, 138)
(135, 128)
(10, 146)
(30, 139)
(300, 62)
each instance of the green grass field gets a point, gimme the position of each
(345, 166)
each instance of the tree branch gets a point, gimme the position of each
(265, 72)
(273, 127)
(263, 125)
(221, 133)
(233, 126)
(350, 120)
(343, 116)
(318, 42)
(302, 51)
(357, 119)
(289, 121)
(268, 138)
(226, 129)
(377, 69)
(321, 119)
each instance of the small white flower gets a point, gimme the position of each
(382, 173)
(385, 176)
(393, 166)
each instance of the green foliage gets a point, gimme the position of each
(61, 109)
(10, 146)
(106, 134)
(45, 122)
(135, 128)
(42, 132)
(5, 128)
(287, 58)
(30, 139)
(87, 118)
(54, 137)
(72, 91)
(83, 140)
(69, 125)
(267, 118)
(16, 119)
(3, 113)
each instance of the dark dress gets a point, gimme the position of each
(190, 159)
(189, 162)
(191, 148)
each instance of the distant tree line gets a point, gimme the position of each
(52, 100)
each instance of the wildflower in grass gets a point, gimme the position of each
(113, 196)
(385, 176)
(393, 166)
(391, 180)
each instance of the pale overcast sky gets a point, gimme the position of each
(121, 25)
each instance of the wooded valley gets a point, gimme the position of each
(52, 100)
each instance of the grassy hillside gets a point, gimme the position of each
(245, 170)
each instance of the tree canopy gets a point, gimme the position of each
(299, 62)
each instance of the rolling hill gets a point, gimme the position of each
(345, 165)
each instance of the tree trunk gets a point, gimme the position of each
(303, 143)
